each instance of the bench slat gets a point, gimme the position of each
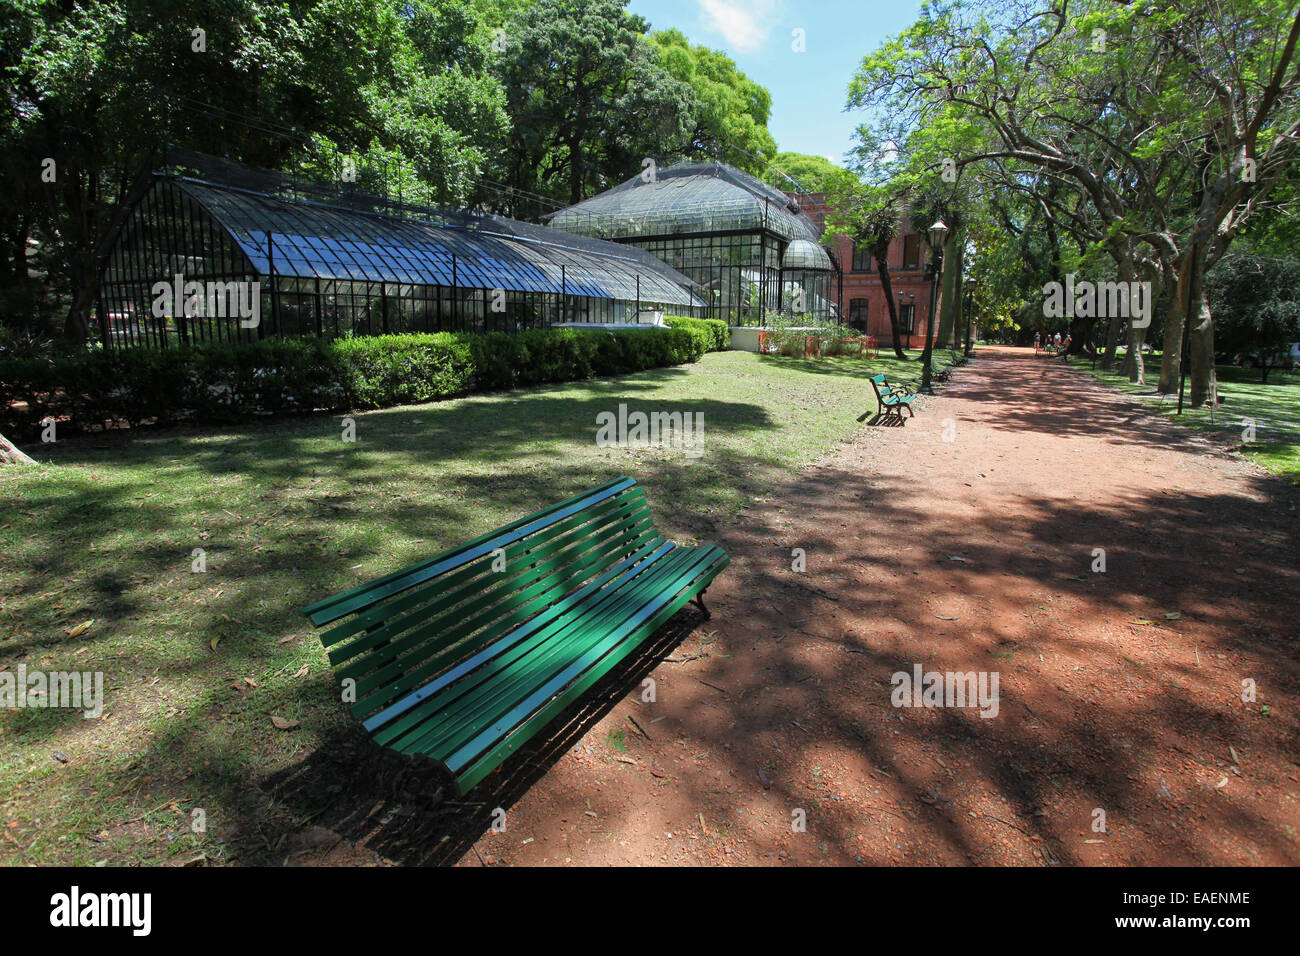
(517, 556)
(457, 640)
(496, 690)
(492, 587)
(332, 608)
(533, 631)
(632, 635)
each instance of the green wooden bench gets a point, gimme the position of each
(465, 656)
(892, 398)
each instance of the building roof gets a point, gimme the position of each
(806, 254)
(684, 199)
(288, 236)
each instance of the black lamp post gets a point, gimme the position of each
(970, 307)
(937, 234)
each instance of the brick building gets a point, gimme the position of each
(856, 291)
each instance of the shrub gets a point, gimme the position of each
(225, 383)
(719, 333)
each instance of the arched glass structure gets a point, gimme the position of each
(320, 265)
(728, 231)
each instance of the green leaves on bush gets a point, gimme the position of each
(229, 383)
(717, 332)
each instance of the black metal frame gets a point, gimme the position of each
(895, 409)
(328, 270)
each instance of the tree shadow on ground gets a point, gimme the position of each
(406, 809)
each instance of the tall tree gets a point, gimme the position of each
(1174, 120)
(588, 95)
(730, 111)
(99, 86)
(870, 217)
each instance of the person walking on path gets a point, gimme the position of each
(1038, 342)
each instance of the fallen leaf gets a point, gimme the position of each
(303, 671)
(80, 628)
(283, 723)
(1172, 616)
(945, 618)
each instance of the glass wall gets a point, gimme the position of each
(329, 272)
(739, 272)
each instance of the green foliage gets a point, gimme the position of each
(1256, 307)
(98, 87)
(588, 96)
(816, 174)
(730, 109)
(716, 331)
(229, 383)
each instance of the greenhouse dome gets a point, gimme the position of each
(730, 232)
(806, 254)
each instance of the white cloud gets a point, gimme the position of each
(743, 25)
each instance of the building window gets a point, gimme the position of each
(907, 318)
(858, 314)
(861, 259)
(912, 251)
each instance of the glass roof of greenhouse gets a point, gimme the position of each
(310, 239)
(688, 198)
(806, 254)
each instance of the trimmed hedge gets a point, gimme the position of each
(230, 383)
(718, 332)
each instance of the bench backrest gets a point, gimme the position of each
(417, 623)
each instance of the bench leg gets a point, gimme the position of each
(698, 601)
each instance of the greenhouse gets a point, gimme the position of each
(748, 245)
(304, 258)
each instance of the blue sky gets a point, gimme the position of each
(808, 89)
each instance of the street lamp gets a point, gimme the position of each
(970, 306)
(937, 234)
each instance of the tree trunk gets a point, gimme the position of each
(948, 285)
(1202, 343)
(1191, 272)
(1116, 327)
(1080, 335)
(10, 455)
(880, 251)
(1173, 350)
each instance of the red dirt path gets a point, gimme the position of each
(1119, 691)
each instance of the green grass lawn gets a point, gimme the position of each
(196, 664)
(1273, 407)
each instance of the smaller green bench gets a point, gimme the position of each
(465, 656)
(944, 372)
(892, 399)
